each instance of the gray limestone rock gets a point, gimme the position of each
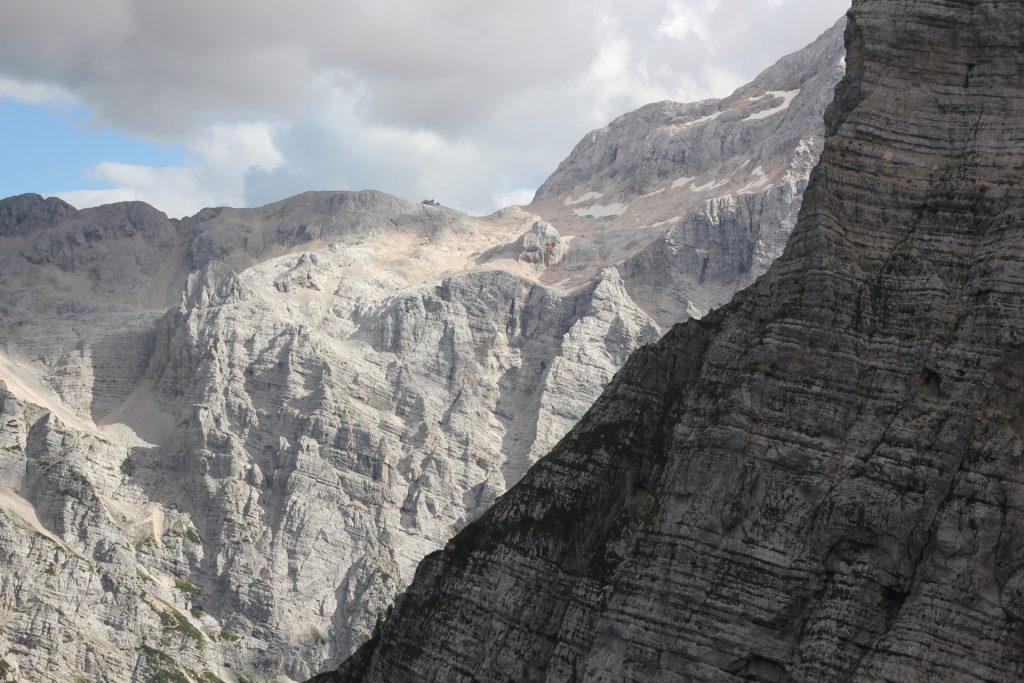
(542, 246)
(703, 195)
(228, 440)
(29, 212)
(819, 481)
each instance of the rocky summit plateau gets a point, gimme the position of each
(821, 480)
(227, 441)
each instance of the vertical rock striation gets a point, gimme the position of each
(693, 201)
(227, 441)
(820, 481)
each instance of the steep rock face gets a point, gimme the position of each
(820, 481)
(30, 212)
(235, 435)
(283, 445)
(703, 194)
(340, 438)
(78, 545)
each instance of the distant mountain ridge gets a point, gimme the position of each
(703, 194)
(820, 481)
(226, 441)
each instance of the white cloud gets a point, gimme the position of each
(213, 173)
(33, 93)
(517, 197)
(464, 100)
(686, 18)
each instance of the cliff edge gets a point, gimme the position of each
(820, 481)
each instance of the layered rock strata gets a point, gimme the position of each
(284, 443)
(820, 481)
(704, 194)
(227, 441)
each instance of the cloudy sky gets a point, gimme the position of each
(196, 103)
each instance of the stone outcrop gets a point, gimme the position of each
(228, 440)
(819, 481)
(285, 442)
(30, 212)
(702, 194)
(542, 246)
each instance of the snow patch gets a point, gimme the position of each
(787, 98)
(651, 194)
(697, 122)
(659, 223)
(709, 186)
(586, 197)
(602, 211)
(758, 181)
(681, 182)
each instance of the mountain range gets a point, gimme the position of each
(822, 479)
(227, 441)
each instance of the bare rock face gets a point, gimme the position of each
(183, 490)
(819, 481)
(227, 441)
(30, 212)
(542, 246)
(692, 202)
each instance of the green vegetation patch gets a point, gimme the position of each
(177, 622)
(228, 635)
(165, 669)
(172, 620)
(204, 676)
(166, 676)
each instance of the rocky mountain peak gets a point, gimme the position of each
(27, 212)
(819, 480)
(615, 164)
(711, 187)
(266, 417)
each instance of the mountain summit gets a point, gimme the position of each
(227, 441)
(821, 480)
(692, 202)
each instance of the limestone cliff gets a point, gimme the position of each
(703, 194)
(227, 441)
(821, 480)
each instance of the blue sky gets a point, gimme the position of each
(53, 147)
(199, 103)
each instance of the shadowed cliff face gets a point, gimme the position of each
(227, 441)
(821, 481)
